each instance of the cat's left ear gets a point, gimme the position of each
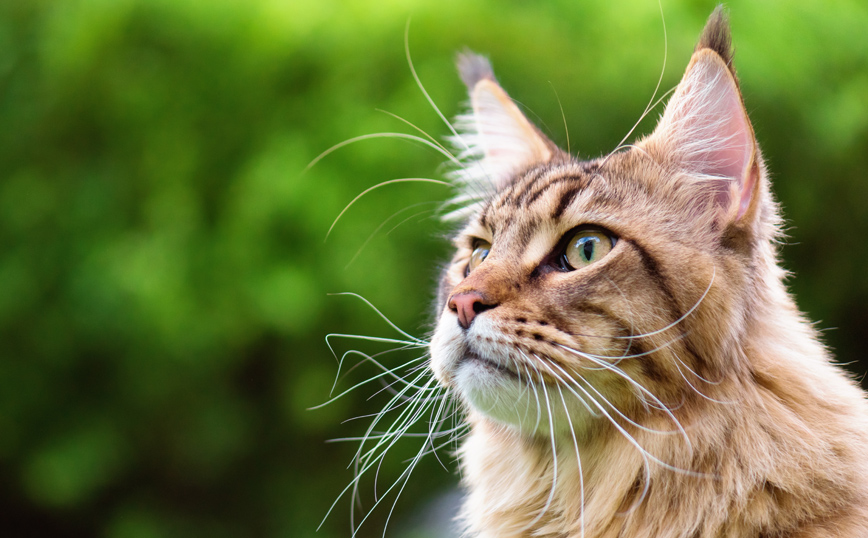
(705, 130)
(496, 137)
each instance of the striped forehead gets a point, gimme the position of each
(530, 194)
(532, 210)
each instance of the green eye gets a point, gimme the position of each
(586, 247)
(480, 251)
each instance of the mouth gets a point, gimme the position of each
(489, 364)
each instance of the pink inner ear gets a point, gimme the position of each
(706, 124)
(732, 156)
(728, 135)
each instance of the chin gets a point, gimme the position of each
(507, 398)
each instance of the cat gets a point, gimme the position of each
(621, 340)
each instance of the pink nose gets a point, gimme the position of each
(467, 305)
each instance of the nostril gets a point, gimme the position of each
(480, 307)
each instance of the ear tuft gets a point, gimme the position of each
(716, 36)
(705, 130)
(494, 139)
(473, 67)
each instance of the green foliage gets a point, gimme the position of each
(164, 274)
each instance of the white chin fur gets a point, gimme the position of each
(529, 407)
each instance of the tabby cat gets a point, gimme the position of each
(629, 360)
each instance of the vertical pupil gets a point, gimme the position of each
(588, 248)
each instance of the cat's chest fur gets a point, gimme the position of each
(619, 335)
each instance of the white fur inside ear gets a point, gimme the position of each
(508, 139)
(494, 141)
(706, 131)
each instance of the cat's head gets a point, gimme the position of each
(580, 289)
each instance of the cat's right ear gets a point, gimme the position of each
(495, 136)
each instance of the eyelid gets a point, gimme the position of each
(475, 242)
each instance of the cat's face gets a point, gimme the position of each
(550, 281)
(580, 290)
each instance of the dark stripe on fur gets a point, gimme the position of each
(566, 199)
(524, 185)
(578, 181)
(653, 269)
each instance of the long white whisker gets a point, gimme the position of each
(536, 396)
(579, 463)
(423, 343)
(638, 386)
(628, 419)
(383, 224)
(554, 455)
(565, 381)
(414, 138)
(402, 479)
(683, 316)
(652, 104)
(404, 420)
(425, 134)
(377, 186)
(368, 461)
(696, 390)
(367, 358)
(636, 444)
(419, 82)
(563, 116)
(386, 372)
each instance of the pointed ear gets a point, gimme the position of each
(495, 136)
(705, 130)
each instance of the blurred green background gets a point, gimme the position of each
(164, 274)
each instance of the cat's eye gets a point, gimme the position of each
(586, 247)
(480, 252)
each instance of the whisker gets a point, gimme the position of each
(696, 390)
(370, 459)
(638, 386)
(625, 417)
(652, 104)
(616, 359)
(367, 358)
(554, 450)
(683, 316)
(411, 217)
(419, 341)
(554, 456)
(386, 372)
(636, 444)
(563, 116)
(566, 383)
(383, 224)
(377, 186)
(666, 327)
(579, 464)
(536, 396)
(425, 134)
(402, 479)
(419, 81)
(370, 136)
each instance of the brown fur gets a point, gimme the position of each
(750, 429)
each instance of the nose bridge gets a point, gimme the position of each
(496, 280)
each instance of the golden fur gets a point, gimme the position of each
(673, 385)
